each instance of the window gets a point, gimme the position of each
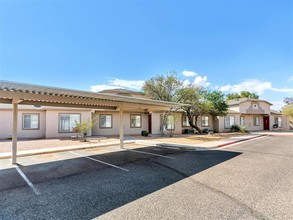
(30, 121)
(229, 121)
(242, 122)
(204, 121)
(135, 121)
(105, 121)
(170, 122)
(68, 122)
(278, 121)
(255, 106)
(256, 121)
(185, 121)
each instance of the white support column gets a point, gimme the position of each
(121, 129)
(14, 131)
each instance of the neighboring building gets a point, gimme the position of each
(253, 114)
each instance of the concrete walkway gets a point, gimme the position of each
(203, 146)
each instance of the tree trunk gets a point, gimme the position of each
(194, 125)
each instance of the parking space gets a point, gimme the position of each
(46, 167)
(84, 184)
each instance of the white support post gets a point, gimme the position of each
(121, 129)
(14, 131)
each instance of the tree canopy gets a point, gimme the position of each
(242, 94)
(162, 87)
(202, 101)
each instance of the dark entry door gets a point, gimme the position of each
(266, 123)
(150, 123)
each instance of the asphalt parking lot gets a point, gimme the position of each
(251, 180)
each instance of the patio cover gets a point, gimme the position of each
(27, 94)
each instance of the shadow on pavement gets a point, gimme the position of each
(80, 188)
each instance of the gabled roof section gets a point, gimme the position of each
(241, 100)
(29, 94)
(274, 112)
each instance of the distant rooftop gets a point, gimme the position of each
(120, 91)
(240, 100)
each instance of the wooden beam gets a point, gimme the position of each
(67, 105)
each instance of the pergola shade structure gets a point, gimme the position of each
(27, 94)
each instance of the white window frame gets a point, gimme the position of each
(278, 121)
(170, 123)
(37, 115)
(204, 121)
(256, 121)
(242, 121)
(228, 122)
(185, 121)
(107, 125)
(138, 119)
(72, 123)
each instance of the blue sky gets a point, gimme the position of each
(229, 45)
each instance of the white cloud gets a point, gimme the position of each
(201, 81)
(188, 73)
(131, 84)
(118, 83)
(290, 79)
(253, 85)
(282, 89)
(98, 88)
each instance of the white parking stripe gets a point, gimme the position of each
(90, 158)
(143, 152)
(36, 191)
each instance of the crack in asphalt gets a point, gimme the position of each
(247, 208)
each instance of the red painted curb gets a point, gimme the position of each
(223, 145)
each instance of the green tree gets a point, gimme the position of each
(242, 94)
(170, 88)
(288, 108)
(84, 128)
(202, 102)
(162, 87)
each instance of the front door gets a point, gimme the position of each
(266, 123)
(150, 123)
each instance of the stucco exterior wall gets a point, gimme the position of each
(6, 124)
(285, 123)
(248, 123)
(221, 123)
(52, 122)
(116, 124)
(156, 120)
(247, 107)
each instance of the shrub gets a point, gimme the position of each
(235, 128)
(243, 129)
(144, 133)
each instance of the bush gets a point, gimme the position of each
(144, 133)
(235, 128)
(243, 129)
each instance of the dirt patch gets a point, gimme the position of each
(191, 139)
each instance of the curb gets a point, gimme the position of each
(190, 147)
(226, 144)
(57, 149)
